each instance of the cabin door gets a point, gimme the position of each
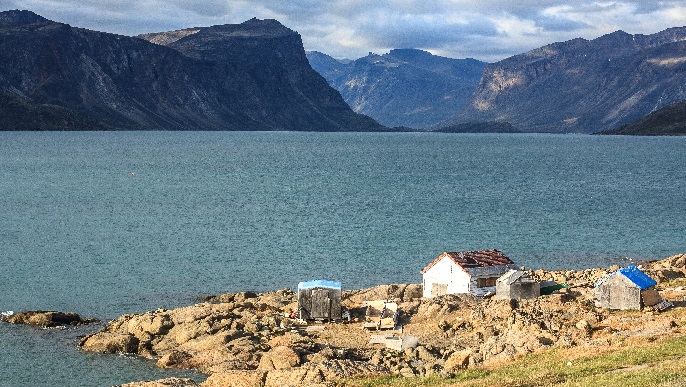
(321, 304)
(439, 290)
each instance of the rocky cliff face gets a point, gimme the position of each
(252, 76)
(583, 86)
(406, 87)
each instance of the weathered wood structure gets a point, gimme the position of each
(380, 314)
(626, 288)
(474, 272)
(516, 285)
(319, 300)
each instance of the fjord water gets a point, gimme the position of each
(106, 223)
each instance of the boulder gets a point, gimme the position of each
(236, 379)
(109, 342)
(425, 355)
(279, 358)
(294, 377)
(458, 360)
(157, 325)
(173, 359)
(242, 296)
(318, 374)
(584, 326)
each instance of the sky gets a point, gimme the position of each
(488, 30)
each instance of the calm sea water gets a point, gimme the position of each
(109, 223)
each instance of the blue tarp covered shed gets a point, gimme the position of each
(319, 300)
(635, 275)
(626, 288)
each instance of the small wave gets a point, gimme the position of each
(7, 313)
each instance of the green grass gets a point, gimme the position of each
(661, 363)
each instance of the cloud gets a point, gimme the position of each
(484, 29)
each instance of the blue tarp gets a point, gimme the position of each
(635, 275)
(319, 284)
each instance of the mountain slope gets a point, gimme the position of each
(668, 121)
(129, 83)
(405, 87)
(583, 86)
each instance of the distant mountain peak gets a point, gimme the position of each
(406, 87)
(17, 16)
(262, 22)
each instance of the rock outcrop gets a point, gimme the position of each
(168, 382)
(250, 76)
(46, 319)
(247, 339)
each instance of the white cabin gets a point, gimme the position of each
(474, 272)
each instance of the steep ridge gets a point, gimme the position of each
(668, 121)
(274, 82)
(583, 86)
(406, 87)
(128, 83)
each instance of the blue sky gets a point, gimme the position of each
(488, 30)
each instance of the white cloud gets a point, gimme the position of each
(484, 29)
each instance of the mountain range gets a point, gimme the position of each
(257, 76)
(405, 87)
(578, 86)
(249, 76)
(583, 86)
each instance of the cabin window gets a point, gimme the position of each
(486, 282)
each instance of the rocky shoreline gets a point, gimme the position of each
(248, 339)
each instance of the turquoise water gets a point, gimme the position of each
(212, 212)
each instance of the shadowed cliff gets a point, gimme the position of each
(251, 76)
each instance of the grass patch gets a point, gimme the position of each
(658, 363)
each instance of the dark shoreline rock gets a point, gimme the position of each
(47, 319)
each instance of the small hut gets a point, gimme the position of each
(516, 285)
(626, 288)
(472, 272)
(319, 300)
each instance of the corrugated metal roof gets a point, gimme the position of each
(473, 259)
(319, 284)
(634, 274)
(511, 277)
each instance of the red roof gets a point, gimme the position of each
(472, 259)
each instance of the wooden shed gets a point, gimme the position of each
(516, 285)
(472, 272)
(319, 300)
(626, 288)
